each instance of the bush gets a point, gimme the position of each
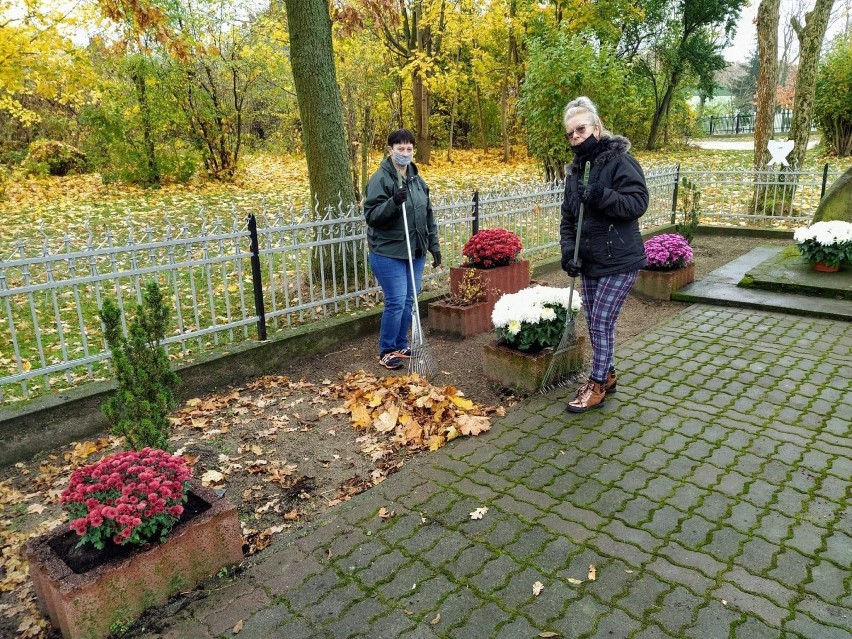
(691, 210)
(53, 158)
(833, 98)
(146, 384)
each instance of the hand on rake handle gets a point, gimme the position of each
(570, 266)
(400, 195)
(590, 194)
(436, 259)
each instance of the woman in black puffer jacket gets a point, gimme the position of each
(611, 247)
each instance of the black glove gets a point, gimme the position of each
(590, 194)
(570, 266)
(400, 195)
(436, 259)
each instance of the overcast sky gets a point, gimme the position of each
(746, 39)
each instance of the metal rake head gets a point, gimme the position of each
(559, 376)
(559, 372)
(421, 362)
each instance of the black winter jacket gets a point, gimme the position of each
(385, 229)
(610, 241)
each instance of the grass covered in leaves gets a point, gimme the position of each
(269, 183)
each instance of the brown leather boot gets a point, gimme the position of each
(609, 385)
(590, 396)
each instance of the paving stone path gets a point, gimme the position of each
(712, 493)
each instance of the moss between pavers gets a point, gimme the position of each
(787, 272)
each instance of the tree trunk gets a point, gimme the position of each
(810, 41)
(482, 135)
(767, 78)
(152, 174)
(511, 56)
(320, 104)
(365, 147)
(662, 110)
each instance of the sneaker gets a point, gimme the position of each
(391, 361)
(403, 353)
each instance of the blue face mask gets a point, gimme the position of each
(400, 159)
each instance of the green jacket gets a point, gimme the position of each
(385, 230)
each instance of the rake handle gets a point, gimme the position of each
(570, 317)
(417, 330)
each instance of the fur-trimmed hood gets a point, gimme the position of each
(608, 148)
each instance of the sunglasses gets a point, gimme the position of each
(580, 130)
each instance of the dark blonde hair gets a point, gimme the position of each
(583, 105)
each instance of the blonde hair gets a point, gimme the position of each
(583, 105)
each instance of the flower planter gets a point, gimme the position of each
(659, 285)
(462, 321)
(822, 267)
(495, 281)
(516, 369)
(84, 605)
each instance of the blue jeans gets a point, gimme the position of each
(395, 280)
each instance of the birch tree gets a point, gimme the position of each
(767, 78)
(810, 36)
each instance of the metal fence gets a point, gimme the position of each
(226, 283)
(743, 123)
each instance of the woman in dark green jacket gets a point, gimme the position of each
(397, 181)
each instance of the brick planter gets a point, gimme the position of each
(462, 321)
(84, 606)
(519, 370)
(495, 281)
(659, 285)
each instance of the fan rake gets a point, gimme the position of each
(421, 361)
(557, 373)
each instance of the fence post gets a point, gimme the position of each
(674, 193)
(256, 281)
(824, 180)
(737, 124)
(475, 224)
(711, 125)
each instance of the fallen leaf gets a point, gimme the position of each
(724, 603)
(593, 572)
(35, 509)
(473, 424)
(574, 582)
(384, 513)
(212, 477)
(436, 620)
(479, 512)
(238, 627)
(548, 633)
(537, 588)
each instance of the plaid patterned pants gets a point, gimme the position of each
(603, 298)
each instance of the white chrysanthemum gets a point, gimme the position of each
(513, 327)
(532, 305)
(825, 233)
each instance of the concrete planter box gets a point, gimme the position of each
(496, 281)
(659, 285)
(84, 606)
(462, 321)
(522, 371)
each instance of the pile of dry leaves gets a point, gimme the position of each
(283, 451)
